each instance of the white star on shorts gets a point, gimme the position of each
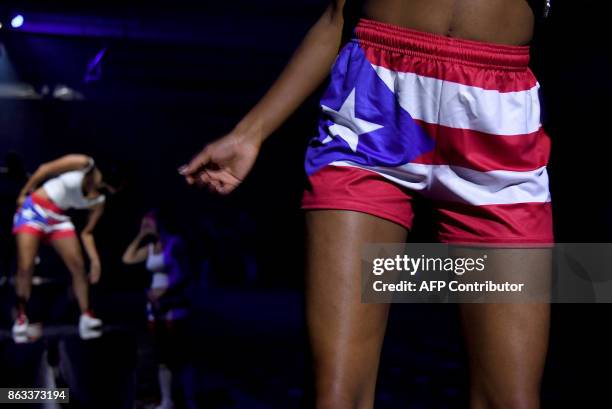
(346, 125)
(28, 214)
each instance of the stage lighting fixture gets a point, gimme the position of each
(17, 21)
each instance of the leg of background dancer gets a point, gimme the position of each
(69, 250)
(27, 248)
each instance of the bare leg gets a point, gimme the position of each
(69, 250)
(27, 247)
(346, 336)
(507, 343)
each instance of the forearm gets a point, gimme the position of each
(308, 67)
(89, 244)
(132, 249)
(64, 164)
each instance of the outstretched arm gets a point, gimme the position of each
(55, 167)
(223, 164)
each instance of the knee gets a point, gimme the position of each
(25, 269)
(76, 267)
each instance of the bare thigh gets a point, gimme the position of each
(27, 248)
(69, 249)
(346, 336)
(507, 342)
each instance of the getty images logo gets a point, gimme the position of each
(413, 265)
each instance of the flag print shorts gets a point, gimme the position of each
(42, 218)
(452, 121)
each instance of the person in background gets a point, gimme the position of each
(162, 250)
(70, 182)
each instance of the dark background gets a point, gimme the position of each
(178, 74)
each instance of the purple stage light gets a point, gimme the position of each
(17, 21)
(94, 68)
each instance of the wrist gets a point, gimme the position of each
(250, 131)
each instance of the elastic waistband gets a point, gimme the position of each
(46, 203)
(417, 43)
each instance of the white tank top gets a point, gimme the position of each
(66, 190)
(157, 265)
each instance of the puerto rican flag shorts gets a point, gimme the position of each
(42, 218)
(456, 122)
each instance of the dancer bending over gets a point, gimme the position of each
(70, 182)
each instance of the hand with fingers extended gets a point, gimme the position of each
(223, 164)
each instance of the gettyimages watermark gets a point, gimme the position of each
(442, 273)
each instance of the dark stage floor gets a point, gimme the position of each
(249, 352)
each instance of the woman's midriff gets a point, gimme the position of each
(493, 21)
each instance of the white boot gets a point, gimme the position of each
(89, 326)
(165, 387)
(20, 329)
